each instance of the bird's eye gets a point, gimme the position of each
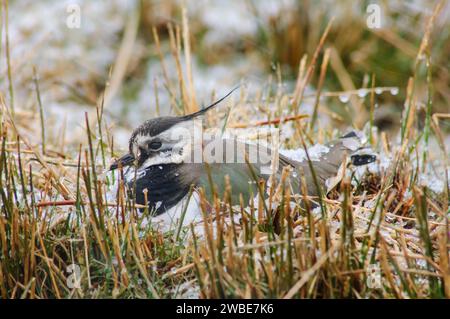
(155, 145)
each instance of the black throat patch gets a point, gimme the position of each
(166, 185)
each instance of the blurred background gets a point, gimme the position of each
(127, 47)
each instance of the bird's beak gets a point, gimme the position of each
(125, 160)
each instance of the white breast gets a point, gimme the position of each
(170, 220)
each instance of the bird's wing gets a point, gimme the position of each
(245, 163)
(346, 148)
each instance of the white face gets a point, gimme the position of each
(174, 145)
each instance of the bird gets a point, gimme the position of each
(169, 156)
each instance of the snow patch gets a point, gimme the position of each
(315, 153)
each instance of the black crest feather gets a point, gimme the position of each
(209, 107)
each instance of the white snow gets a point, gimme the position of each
(315, 153)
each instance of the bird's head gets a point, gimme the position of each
(165, 140)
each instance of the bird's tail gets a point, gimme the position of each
(359, 154)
